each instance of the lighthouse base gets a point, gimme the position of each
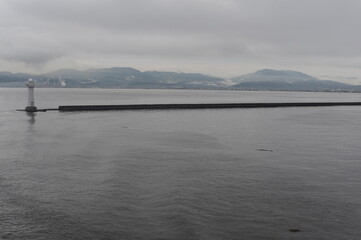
(31, 109)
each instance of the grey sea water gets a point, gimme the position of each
(179, 174)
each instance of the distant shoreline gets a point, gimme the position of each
(200, 89)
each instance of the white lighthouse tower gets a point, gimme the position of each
(31, 102)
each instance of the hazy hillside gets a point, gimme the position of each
(269, 75)
(286, 80)
(8, 79)
(187, 80)
(132, 78)
(265, 79)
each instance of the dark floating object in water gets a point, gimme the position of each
(264, 150)
(294, 230)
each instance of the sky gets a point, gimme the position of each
(223, 38)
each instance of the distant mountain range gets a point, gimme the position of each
(266, 79)
(287, 80)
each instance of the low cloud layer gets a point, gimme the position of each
(238, 36)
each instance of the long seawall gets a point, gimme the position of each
(200, 106)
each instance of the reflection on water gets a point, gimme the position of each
(31, 117)
(186, 174)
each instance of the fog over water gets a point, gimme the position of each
(179, 174)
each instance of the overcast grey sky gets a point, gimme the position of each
(217, 37)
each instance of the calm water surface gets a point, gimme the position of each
(179, 174)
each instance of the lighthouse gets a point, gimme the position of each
(31, 102)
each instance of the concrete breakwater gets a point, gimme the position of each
(200, 106)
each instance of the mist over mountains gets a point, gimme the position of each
(266, 79)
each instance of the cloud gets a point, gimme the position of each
(217, 31)
(32, 49)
